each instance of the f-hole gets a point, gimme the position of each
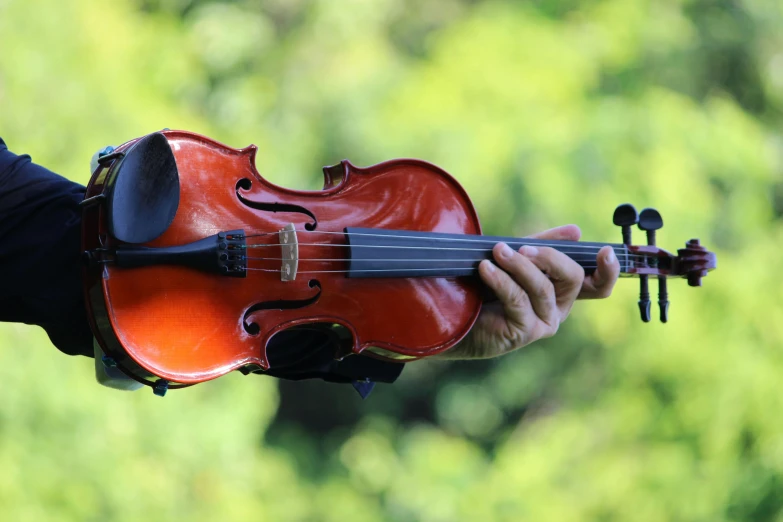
(245, 184)
(281, 304)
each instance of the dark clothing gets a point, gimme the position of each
(40, 278)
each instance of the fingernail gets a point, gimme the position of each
(490, 266)
(505, 251)
(610, 257)
(529, 251)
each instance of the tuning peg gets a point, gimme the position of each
(644, 299)
(663, 299)
(625, 216)
(650, 220)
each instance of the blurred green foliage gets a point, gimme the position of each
(548, 112)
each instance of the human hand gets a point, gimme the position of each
(531, 304)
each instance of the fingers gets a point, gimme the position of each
(523, 276)
(566, 275)
(597, 285)
(600, 283)
(565, 233)
(515, 302)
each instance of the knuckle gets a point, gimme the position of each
(517, 297)
(545, 291)
(515, 337)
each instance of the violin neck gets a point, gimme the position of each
(404, 253)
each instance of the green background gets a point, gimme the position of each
(548, 112)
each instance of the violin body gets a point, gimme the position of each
(186, 326)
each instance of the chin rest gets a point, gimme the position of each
(143, 193)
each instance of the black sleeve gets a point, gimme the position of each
(40, 278)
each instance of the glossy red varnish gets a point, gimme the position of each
(186, 326)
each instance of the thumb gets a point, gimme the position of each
(565, 233)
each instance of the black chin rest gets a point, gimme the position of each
(143, 193)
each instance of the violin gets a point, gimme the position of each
(193, 261)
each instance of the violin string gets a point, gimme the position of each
(301, 259)
(586, 248)
(573, 244)
(262, 234)
(594, 250)
(475, 239)
(277, 271)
